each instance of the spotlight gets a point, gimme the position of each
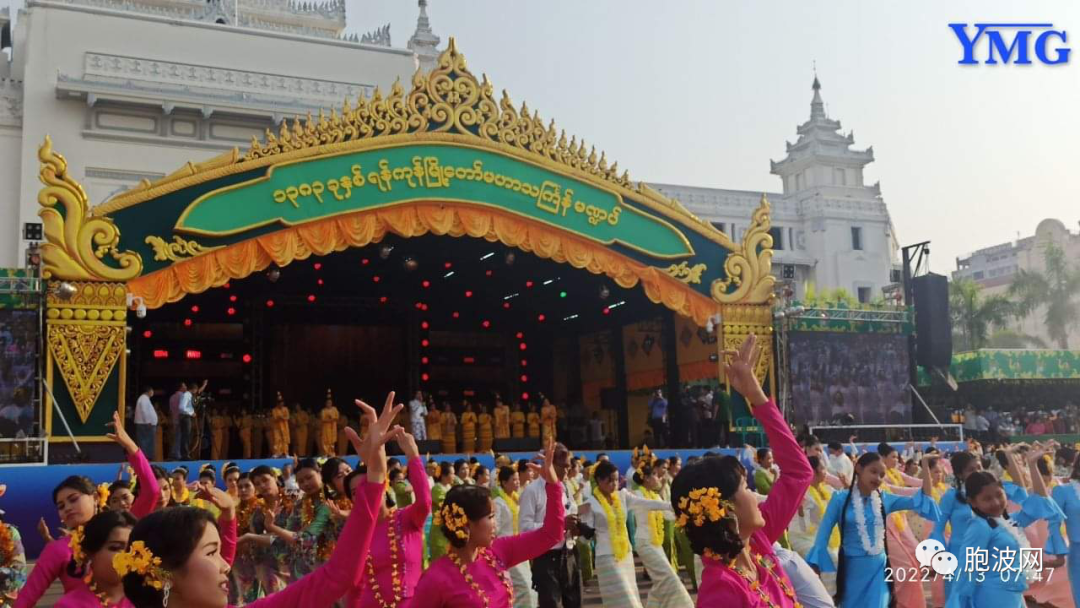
(410, 264)
(385, 251)
(273, 275)
(510, 258)
(65, 291)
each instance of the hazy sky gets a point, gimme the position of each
(705, 92)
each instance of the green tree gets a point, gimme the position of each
(973, 315)
(1054, 290)
(1007, 338)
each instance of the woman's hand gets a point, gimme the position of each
(219, 498)
(43, 530)
(337, 511)
(371, 447)
(739, 370)
(547, 470)
(120, 436)
(408, 446)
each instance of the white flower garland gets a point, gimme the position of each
(879, 524)
(1021, 539)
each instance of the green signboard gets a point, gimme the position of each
(294, 193)
(991, 364)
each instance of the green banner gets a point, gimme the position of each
(990, 364)
(308, 190)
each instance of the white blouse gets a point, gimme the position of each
(596, 518)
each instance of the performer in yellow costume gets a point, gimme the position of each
(534, 422)
(449, 431)
(282, 438)
(548, 418)
(517, 422)
(329, 418)
(502, 420)
(468, 430)
(244, 422)
(486, 435)
(434, 424)
(303, 422)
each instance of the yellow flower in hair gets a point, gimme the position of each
(138, 559)
(103, 495)
(455, 520)
(700, 505)
(75, 541)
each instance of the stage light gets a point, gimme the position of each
(506, 305)
(562, 294)
(269, 303)
(468, 294)
(486, 324)
(231, 311)
(571, 317)
(228, 285)
(528, 284)
(273, 275)
(195, 309)
(426, 284)
(448, 266)
(469, 360)
(519, 335)
(423, 360)
(232, 298)
(65, 291)
(524, 363)
(193, 354)
(424, 325)
(383, 299)
(510, 258)
(523, 346)
(187, 322)
(524, 396)
(524, 378)
(376, 278)
(318, 266)
(319, 282)
(456, 314)
(365, 262)
(410, 264)
(148, 334)
(423, 307)
(161, 354)
(541, 318)
(419, 305)
(604, 292)
(486, 256)
(606, 311)
(424, 377)
(489, 273)
(425, 343)
(246, 358)
(448, 275)
(618, 304)
(311, 298)
(385, 251)
(550, 281)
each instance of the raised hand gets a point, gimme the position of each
(546, 471)
(218, 497)
(739, 370)
(371, 447)
(120, 436)
(408, 446)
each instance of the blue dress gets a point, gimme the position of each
(864, 576)
(1067, 497)
(1004, 588)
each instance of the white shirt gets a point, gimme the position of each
(841, 466)
(532, 506)
(504, 518)
(186, 407)
(417, 410)
(144, 411)
(596, 518)
(641, 508)
(808, 587)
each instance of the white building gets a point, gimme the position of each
(829, 228)
(995, 268)
(132, 89)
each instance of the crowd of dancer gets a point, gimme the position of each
(795, 524)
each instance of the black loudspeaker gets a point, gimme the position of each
(428, 446)
(522, 444)
(933, 327)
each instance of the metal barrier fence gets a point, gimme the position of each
(876, 433)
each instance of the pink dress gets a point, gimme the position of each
(343, 572)
(409, 531)
(82, 597)
(722, 586)
(902, 543)
(443, 586)
(54, 558)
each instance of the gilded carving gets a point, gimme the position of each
(741, 320)
(686, 273)
(178, 249)
(77, 242)
(749, 268)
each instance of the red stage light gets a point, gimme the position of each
(424, 308)
(318, 266)
(448, 265)
(365, 261)
(523, 346)
(424, 377)
(161, 354)
(486, 324)
(419, 305)
(524, 378)
(519, 335)
(376, 278)
(426, 284)
(187, 322)
(456, 314)
(269, 303)
(193, 354)
(607, 311)
(383, 300)
(489, 273)
(320, 282)
(506, 305)
(540, 318)
(468, 294)
(246, 358)
(231, 311)
(311, 298)
(524, 396)
(469, 360)
(195, 308)
(148, 334)
(528, 284)
(424, 325)
(232, 298)
(423, 360)
(524, 363)
(424, 343)
(228, 285)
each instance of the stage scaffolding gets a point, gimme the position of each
(25, 290)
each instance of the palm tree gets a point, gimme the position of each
(973, 315)
(1056, 290)
(1007, 338)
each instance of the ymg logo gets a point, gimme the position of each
(1025, 37)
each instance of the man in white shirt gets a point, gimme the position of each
(146, 422)
(556, 576)
(839, 464)
(417, 417)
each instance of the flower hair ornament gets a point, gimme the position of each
(703, 504)
(138, 559)
(103, 495)
(455, 520)
(645, 458)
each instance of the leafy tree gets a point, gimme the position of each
(973, 314)
(1055, 290)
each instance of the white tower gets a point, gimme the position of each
(424, 42)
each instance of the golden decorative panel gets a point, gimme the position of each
(85, 353)
(76, 242)
(686, 273)
(750, 267)
(179, 249)
(741, 320)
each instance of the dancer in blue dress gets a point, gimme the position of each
(1001, 583)
(1067, 497)
(860, 512)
